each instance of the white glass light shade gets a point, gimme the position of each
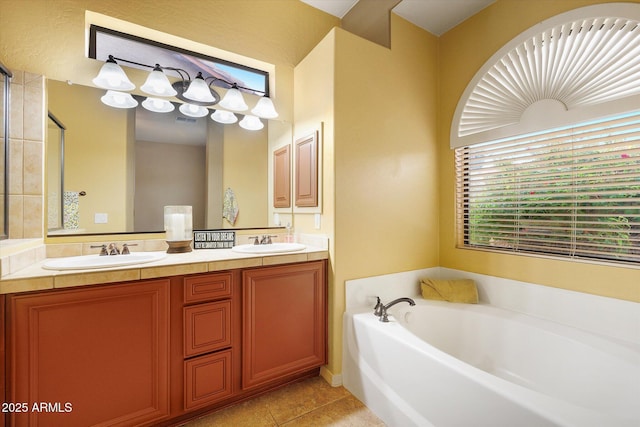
(193, 110)
(117, 99)
(233, 101)
(158, 105)
(178, 223)
(111, 76)
(265, 109)
(158, 84)
(199, 91)
(225, 117)
(251, 123)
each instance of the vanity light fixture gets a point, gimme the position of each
(233, 100)
(192, 110)
(158, 105)
(251, 123)
(158, 84)
(112, 76)
(114, 98)
(197, 94)
(225, 117)
(198, 90)
(265, 109)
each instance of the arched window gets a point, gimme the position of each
(547, 140)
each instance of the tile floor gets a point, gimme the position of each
(312, 402)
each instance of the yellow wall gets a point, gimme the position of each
(96, 145)
(386, 216)
(314, 111)
(377, 107)
(463, 51)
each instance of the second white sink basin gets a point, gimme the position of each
(96, 261)
(269, 249)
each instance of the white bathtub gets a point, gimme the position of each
(442, 364)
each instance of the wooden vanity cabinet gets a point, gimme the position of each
(284, 321)
(3, 398)
(160, 352)
(90, 355)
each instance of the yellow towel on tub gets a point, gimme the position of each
(458, 290)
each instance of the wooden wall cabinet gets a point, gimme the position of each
(282, 178)
(95, 355)
(306, 171)
(284, 315)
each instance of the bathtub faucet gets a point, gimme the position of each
(384, 308)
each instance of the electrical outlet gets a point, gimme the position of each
(316, 219)
(101, 218)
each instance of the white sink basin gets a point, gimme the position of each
(96, 261)
(269, 249)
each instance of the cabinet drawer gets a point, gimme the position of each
(207, 379)
(207, 287)
(207, 327)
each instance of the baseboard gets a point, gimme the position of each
(335, 380)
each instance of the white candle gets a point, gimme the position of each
(178, 223)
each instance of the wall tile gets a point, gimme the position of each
(32, 176)
(16, 157)
(16, 208)
(16, 111)
(33, 113)
(26, 168)
(18, 77)
(32, 217)
(31, 79)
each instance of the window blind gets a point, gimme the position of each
(571, 192)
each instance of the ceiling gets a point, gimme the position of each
(435, 16)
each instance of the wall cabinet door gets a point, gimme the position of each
(281, 178)
(306, 187)
(90, 356)
(285, 321)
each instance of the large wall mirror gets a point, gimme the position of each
(121, 166)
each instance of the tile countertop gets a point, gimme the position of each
(36, 278)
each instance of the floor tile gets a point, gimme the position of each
(299, 398)
(312, 402)
(252, 413)
(346, 412)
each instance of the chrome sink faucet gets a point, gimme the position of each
(264, 240)
(112, 249)
(380, 309)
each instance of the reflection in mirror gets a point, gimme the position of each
(5, 78)
(130, 165)
(55, 174)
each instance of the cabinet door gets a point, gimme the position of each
(207, 379)
(284, 329)
(90, 356)
(207, 287)
(207, 327)
(281, 178)
(306, 188)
